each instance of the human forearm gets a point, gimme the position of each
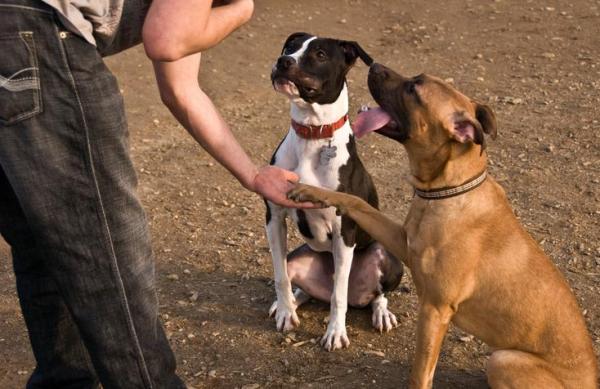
(181, 93)
(199, 116)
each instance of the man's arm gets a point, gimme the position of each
(181, 93)
(174, 29)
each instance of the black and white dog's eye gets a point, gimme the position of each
(321, 54)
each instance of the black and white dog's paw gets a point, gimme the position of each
(286, 318)
(335, 337)
(383, 319)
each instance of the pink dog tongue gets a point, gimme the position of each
(369, 121)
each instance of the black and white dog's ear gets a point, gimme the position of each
(293, 37)
(352, 51)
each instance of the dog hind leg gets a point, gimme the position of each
(508, 369)
(312, 272)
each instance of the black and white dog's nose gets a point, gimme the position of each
(285, 61)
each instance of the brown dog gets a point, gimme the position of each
(471, 261)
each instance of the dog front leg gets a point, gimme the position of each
(431, 328)
(284, 308)
(384, 230)
(335, 337)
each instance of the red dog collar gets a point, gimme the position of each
(318, 132)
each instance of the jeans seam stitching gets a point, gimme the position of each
(107, 234)
(38, 91)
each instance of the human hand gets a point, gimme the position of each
(274, 183)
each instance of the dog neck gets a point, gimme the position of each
(318, 114)
(451, 165)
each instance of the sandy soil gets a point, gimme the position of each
(536, 63)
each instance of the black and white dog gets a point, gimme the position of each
(339, 263)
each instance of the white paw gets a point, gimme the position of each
(286, 318)
(384, 320)
(335, 337)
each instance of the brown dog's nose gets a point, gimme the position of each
(378, 69)
(285, 61)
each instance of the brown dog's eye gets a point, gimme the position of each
(410, 88)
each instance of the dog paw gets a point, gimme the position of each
(340, 210)
(383, 319)
(302, 193)
(286, 318)
(335, 337)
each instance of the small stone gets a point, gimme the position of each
(251, 386)
(375, 352)
(230, 242)
(173, 277)
(343, 21)
(512, 100)
(550, 148)
(186, 271)
(301, 343)
(212, 374)
(193, 296)
(466, 339)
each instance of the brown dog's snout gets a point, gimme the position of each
(285, 62)
(378, 69)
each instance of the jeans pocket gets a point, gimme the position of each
(20, 90)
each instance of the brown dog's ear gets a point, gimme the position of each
(465, 128)
(487, 118)
(352, 50)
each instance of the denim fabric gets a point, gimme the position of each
(69, 211)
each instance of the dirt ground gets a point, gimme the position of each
(537, 63)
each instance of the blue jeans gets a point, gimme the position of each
(69, 211)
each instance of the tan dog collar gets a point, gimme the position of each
(318, 132)
(444, 193)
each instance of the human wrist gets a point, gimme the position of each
(248, 179)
